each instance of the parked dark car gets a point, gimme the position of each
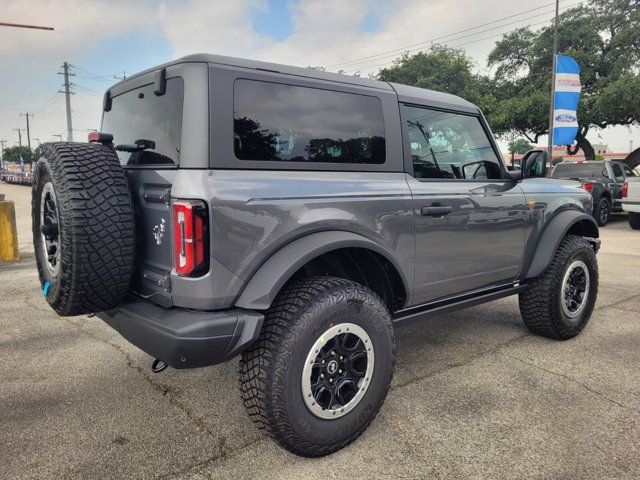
(297, 217)
(603, 179)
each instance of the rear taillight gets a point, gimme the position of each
(99, 137)
(588, 186)
(190, 238)
(625, 190)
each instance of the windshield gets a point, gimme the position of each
(579, 170)
(139, 116)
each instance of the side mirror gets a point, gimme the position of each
(535, 163)
(515, 175)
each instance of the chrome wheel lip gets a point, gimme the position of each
(573, 267)
(51, 268)
(363, 384)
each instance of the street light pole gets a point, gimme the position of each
(553, 79)
(21, 25)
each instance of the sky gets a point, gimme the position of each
(106, 39)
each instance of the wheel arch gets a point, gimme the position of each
(567, 222)
(606, 194)
(314, 250)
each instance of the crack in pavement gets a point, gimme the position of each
(615, 304)
(198, 468)
(460, 364)
(224, 450)
(571, 379)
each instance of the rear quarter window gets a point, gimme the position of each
(139, 114)
(276, 122)
(579, 170)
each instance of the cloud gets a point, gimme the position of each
(217, 26)
(324, 32)
(327, 32)
(78, 24)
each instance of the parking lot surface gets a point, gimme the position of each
(475, 395)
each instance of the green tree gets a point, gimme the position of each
(440, 68)
(602, 37)
(520, 146)
(12, 154)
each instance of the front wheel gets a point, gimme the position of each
(559, 303)
(321, 368)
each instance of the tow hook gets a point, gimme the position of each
(158, 365)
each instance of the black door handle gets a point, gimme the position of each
(436, 211)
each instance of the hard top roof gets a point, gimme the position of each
(405, 93)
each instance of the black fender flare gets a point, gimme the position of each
(266, 282)
(553, 234)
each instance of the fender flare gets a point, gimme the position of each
(553, 234)
(266, 282)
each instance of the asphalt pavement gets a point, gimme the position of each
(475, 395)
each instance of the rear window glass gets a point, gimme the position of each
(581, 170)
(277, 122)
(140, 115)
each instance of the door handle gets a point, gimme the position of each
(436, 211)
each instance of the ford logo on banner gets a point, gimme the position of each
(565, 100)
(566, 118)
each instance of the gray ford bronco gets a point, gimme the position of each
(296, 218)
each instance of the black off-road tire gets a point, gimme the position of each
(271, 370)
(602, 212)
(540, 304)
(95, 227)
(634, 221)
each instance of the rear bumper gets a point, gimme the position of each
(631, 206)
(184, 338)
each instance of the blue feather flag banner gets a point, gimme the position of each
(565, 101)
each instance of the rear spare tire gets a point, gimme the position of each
(83, 227)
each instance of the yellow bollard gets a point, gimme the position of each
(8, 232)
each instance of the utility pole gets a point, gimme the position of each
(19, 130)
(553, 79)
(2, 142)
(27, 115)
(67, 96)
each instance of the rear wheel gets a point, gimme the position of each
(320, 370)
(83, 230)
(634, 221)
(602, 212)
(558, 304)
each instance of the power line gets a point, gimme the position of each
(361, 67)
(400, 49)
(88, 91)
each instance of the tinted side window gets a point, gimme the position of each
(449, 145)
(277, 122)
(140, 115)
(617, 171)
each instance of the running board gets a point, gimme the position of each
(421, 312)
